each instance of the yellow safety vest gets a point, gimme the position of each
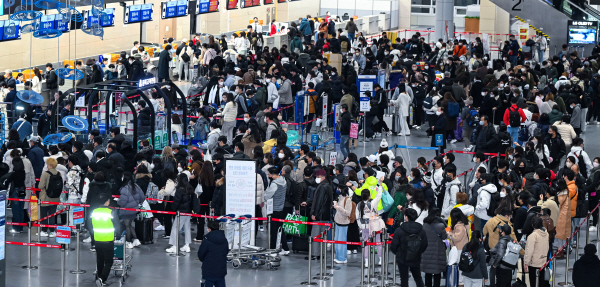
(102, 224)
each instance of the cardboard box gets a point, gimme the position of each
(334, 60)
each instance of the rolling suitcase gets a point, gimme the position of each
(300, 243)
(144, 229)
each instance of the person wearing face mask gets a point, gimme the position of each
(441, 124)
(360, 59)
(488, 199)
(121, 70)
(453, 187)
(229, 113)
(486, 138)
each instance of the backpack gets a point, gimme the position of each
(514, 117)
(466, 262)
(355, 108)
(352, 216)
(344, 46)
(292, 189)
(494, 203)
(581, 164)
(453, 109)
(511, 256)
(55, 185)
(523, 134)
(411, 244)
(428, 103)
(152, 192)
(528, 181)
(185, 57)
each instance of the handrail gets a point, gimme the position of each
(593, 11)
(575, 6)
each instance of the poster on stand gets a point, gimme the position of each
(240, 183)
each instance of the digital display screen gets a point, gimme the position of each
(171, 9)
(182, 8)
(268, 2)
(105, 21)
(232, 4)
(207, 6)
(48, 22)
(61, 25)
(582, 32)
(138, 13)
(10, 30)
(281, 1)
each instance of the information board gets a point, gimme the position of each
(63, 234)
(365, 104)
(365, 83)
(267, 2)
(138, 13)
(249, 3)
(582, 32)
(10, 30)
(104, 21)
(61, 25)
(48, 22)
(173, 9)
(78, 215)
(232, 4)
(207, 6)
(354, 130)
(240, 183)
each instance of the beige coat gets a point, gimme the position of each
(342, 216)
(536, 249)
(249, 145)
(563, 225)
(459, 236)
(44, 179)
(260, 190)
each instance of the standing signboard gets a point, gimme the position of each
(365, 83)
(240, 198)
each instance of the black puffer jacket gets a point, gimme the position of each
(182, 201)
(95, 190)
(434, 257)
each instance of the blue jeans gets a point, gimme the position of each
(513, 60)
(344, 145)
(216, 282)
(483, 222)
(341, 234)
(541, 55)
(574, 224)
(351, 36)
(514, 134)
(284, 112)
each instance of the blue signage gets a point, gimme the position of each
(48, 22)
(105, 19)
(203, 6)
(10, 30)
(182, 8)
(134, 13)
(439, 140)
(314, 139)
(171, 10)
(61, 25)
(146, 12)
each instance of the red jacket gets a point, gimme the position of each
(273, 29)
(506, 113)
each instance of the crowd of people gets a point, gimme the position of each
(514, 209)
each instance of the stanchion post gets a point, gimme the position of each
(269, 233)
(362, 264)
(566, 283)
(587, 230)
(537, 278)
(309, 260)
(176, 254)
(39, 229)
(577, 243)
(63, 247)
(554, 271)
(78, 270)
(29, 266)
(384, 260)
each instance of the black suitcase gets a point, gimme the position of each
(299, 244)
(144, 229)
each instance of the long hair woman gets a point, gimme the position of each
(182, 203)
(207, 181)
(131, 197)
(476, 277)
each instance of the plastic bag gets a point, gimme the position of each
(145, 206)
(293, 138)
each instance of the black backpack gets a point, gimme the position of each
(55, 185)
(467, 262)
(581, 164)
(185, 57)
(494, 203)
(514, 117)
(292, 189)
(411, 244)
(355, 108)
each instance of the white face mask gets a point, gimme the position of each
(522, 69)
(268, 80)
(569, 165)
(246, 119)
(502, 194)
(265, 119)
(485, 58)
(483, 93)
(596, 164)
(438, 113)
(501, 85)
(426, 67)
(318, 180)
(280, 155)
(414, 68)
(130, 62)
(220, 84)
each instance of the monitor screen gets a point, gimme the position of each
(10, 30)
(138, 13)
(207, 6)
(232, 4)
(582, 36)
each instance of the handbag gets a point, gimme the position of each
(453, 256)
(198, 189)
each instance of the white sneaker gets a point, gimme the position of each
(348, 252)
(171, 249)
(407, 134)
(159, 228)
(379, 261)
(88, 240)
(354, 252)
(185, 248)
(360, 133)
(261, 228)
(328, 245)
(43, 234)
(284, 253)
(129, 245)
(453, 141)
(136, 242)
(366, 263)
(340, 262)
(52, 234)
(389, 133)
(593, 229)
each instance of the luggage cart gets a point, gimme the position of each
(240, 251)
(122, 260)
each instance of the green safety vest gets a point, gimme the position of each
(103, 225)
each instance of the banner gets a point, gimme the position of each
(240, 183)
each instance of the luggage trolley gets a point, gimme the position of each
(241, 251)
(122, 260)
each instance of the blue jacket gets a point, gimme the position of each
(36, 157)
(213, 254)
(514, 47)
(24, 130)
(305, 27)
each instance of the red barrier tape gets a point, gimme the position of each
(198, 215)
(51, 215)
(470, 169)
(337, 242)
(301, 222)
(33, 244)
(19, 199)
(50, 226)
(16, 223)
(155, 199)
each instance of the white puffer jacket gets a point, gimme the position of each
(483, 200)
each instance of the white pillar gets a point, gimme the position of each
(444, 17)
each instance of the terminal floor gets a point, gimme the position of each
(152, 266)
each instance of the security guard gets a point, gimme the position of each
(104, 223)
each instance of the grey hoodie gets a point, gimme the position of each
(276, 191)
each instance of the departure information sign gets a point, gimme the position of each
(207, 6)
(10, 30)
(138, 13)
(267, 2)
(232, 4)
(173, 9)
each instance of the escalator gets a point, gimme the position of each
(550, 18)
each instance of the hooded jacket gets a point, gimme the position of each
(585, 271)
(434, 258)
(403, 231)
(491, 232)
(536, 249)
(452, 188)
(130, 199)
(96, 189)
(483, 200)
(371, 186)
(498, 252)
(213, 254)
(322, 202)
